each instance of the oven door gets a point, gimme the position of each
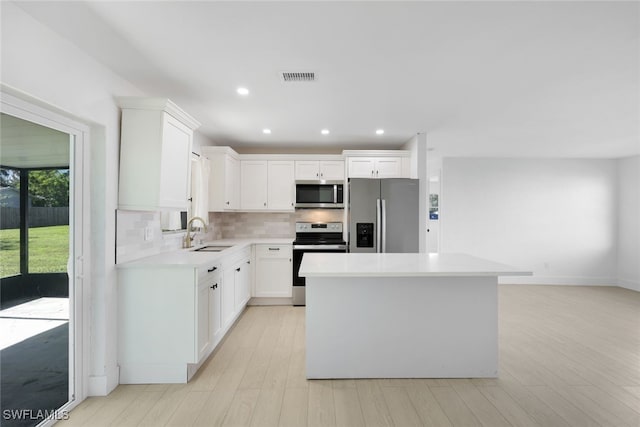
(299, 282)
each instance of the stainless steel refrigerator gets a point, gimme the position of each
(383, 215)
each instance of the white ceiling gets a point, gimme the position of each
(540, 79)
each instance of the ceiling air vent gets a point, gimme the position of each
(296, 76)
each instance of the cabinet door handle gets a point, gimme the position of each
(214, 286)
(227, 202)
(316, 175)
(372, 174)
(265, 203)
(376, 173)
(212, 269)
(289, 259)
(274, 249)
(248, 261)
(238, 269)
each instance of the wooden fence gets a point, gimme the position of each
(38, 217)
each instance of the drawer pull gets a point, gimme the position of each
(238, 269)
(274, 249)
(212, 269)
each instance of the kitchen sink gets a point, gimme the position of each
(211, 248)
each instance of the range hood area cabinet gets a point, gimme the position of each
(224, 180)
(155, 154)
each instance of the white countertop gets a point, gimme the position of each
(191, 258)
(402, 265)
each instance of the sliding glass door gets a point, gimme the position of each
(39, 255)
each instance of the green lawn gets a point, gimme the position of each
(48, 250)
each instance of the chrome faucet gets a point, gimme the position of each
(189, 238)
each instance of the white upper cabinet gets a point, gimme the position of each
(362, 167)
(267, 185)
(155, 154)
(224, 179)
(232, 183)
(281, 185)
(388, 167)
(378, 164)
(253, 184)
(332, 170)
(310, 170)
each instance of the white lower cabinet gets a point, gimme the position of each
(170, 318)
(237, 285)
(273, 273)
(228, 295)
(203, 326)
(209, 309)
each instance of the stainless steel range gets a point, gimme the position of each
(313, 237)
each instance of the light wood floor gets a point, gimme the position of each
(569, 356)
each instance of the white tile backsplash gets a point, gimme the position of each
(130, 242)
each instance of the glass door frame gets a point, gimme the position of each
(25, 107)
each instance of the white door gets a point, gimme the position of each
(274, 273)
(388, 167)
(228, 295)
(231, 183)
(281, 185)
(215, 309)
(203, 320)
(175, 164)
(332, 170)
(307, 170)
(72, 255)
(361, 167)
(253, 184)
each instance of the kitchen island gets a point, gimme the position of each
(402, 315)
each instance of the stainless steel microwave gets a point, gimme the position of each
(319, 194)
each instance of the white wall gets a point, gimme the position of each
(552, 216)
(37, 61)
(412, 146)
(629, 222)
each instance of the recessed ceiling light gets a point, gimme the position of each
(242, 91)
(267, 131)
(379, 131)
(325, 131)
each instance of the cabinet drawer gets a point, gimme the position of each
(273, 251)
(209, 272)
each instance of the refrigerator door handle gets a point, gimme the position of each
(383, 247)
(378, 223)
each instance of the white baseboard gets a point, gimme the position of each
(154, 373)
(629, 284)
(270, 301)
(102, 385)
(558, 280)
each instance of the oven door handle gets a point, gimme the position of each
(320, 247)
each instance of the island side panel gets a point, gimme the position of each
(402, 327)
